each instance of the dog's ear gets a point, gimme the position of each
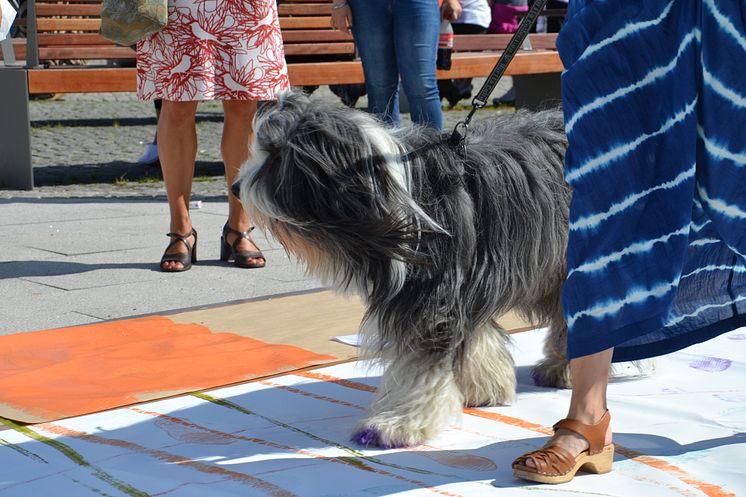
(275, 120)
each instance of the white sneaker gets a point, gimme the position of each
(150, 156)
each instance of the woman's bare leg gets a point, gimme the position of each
(590, 377)
(177, 150)
(237, 135)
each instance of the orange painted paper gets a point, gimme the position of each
(54, 374)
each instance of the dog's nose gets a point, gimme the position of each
(236, 189)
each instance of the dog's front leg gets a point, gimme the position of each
(418, 395)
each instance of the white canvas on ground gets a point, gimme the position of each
(681, 432)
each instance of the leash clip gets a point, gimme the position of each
(458, 140)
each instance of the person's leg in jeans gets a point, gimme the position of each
(416, 29)
(373, 32)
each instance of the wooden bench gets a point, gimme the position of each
(317, 55)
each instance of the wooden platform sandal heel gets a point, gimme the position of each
(185, 258)
(230, 251)
(553, 464)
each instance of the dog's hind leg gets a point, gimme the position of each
(554, 369)
(417, 396)
(485, 371)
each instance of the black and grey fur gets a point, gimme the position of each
(436, 243)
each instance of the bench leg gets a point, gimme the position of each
(15, 131)
(537, 91)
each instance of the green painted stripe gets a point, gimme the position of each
(73, 455)
(349, 450)
(23, 451)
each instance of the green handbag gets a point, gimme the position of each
(127, 21)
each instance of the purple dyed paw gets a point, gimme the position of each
(372, 437)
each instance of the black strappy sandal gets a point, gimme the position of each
(185, 258)
(230, 251)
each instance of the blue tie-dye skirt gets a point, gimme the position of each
(654, 97)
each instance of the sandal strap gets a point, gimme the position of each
(245, 254)
(551, 461)
(181, 238)
(594, 434)
(240, 234)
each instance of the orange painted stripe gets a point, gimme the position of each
(508, 420)
(709, 489)
(339, 460)
(309, 394)
(67, 372)
(161, 455)
(339, 381)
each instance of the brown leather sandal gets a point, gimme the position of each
(185, 258)
(230, 251)
(555, 465)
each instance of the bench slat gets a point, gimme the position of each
(86, 53)
(70, 24)
(64, 9)
(471, 43)
(314, 35)
(306, 22)
(73, 80)
(72, 39)
(305, 9)
(295, 49)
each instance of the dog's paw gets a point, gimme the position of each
(371, 437)
(554, 374)
(388, 435)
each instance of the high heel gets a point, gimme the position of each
(230, 251)
(553, 464)
(185, 258)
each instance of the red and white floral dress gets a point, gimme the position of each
(214, 50)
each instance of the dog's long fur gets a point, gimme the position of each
(436, 242)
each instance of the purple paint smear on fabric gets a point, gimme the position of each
(711, 364)
(739, 336)
(372, 437)
(737, 398)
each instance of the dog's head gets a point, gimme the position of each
(329, 184)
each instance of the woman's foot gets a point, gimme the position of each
(577, 444)
(239, 246)
(181, 252)
(571, 441)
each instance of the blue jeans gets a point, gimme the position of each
(399, 39)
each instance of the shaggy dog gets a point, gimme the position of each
(437, 240)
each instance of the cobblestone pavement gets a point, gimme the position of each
(87, 145)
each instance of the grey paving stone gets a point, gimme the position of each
(84, 245)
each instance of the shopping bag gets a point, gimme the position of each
(7, 14)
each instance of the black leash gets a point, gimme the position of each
(457, 139)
